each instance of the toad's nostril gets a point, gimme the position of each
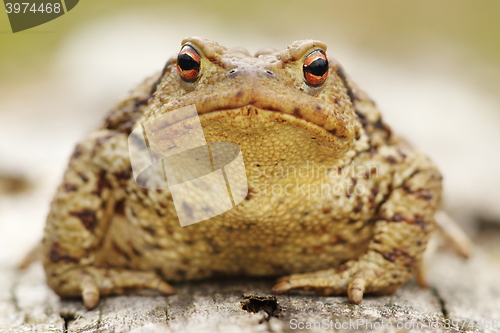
(233, 72)
(269, 73)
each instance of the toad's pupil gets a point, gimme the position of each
(187, 63)
(318, 67)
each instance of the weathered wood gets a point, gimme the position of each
(27, 304)
(459, 290)
(470, 289)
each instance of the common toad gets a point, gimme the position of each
(336, 201)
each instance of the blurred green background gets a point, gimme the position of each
(395, 28)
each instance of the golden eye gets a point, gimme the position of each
(188, 63)
(315, 68)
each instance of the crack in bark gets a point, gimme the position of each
(256, 304)
(15, 301)
(67, 317)
(441, 301)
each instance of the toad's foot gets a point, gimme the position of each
(394, 253)
(90, 283)
(348, 279)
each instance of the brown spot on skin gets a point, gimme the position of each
(373, 195)
(239, 93)
(159, 272)
(55, 255)
(141, 101)
(341, 268)
(165, 69)
(217, 62)
(391, 159)
(145, 191)
(390, 256)
(123, 176)
(137, 253)
(88, 218)
(318, 249)
(326, 210)
(70, 187)
(99, 142)
(333, 131)
(424, 194)
(358, 207)
(398, 217)
(296, 112)
(150, 230)
(354, 181)
(249, 195)
(102, 139)
(169, 197)
(419, 220)
(127, 126)
(373, 151)
(342, 76)
(102, 183)
(120, 207)
(362, 118)
(77, 152)
(213, 245)
(379, 124)
(124, 118)
(421, 194)
(83, 177)
(414, 173)
(181, 273)
(118, 250)
(400, 254)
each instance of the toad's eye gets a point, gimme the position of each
(315, 68)
(188, 63)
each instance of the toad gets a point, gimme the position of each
(336, 202)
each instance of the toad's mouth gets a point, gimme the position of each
(254, 125)
(258, 95)
(308, 111)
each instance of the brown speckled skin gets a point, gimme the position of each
(364, 232)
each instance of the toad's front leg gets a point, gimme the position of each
(83, 209)
(403, 226)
